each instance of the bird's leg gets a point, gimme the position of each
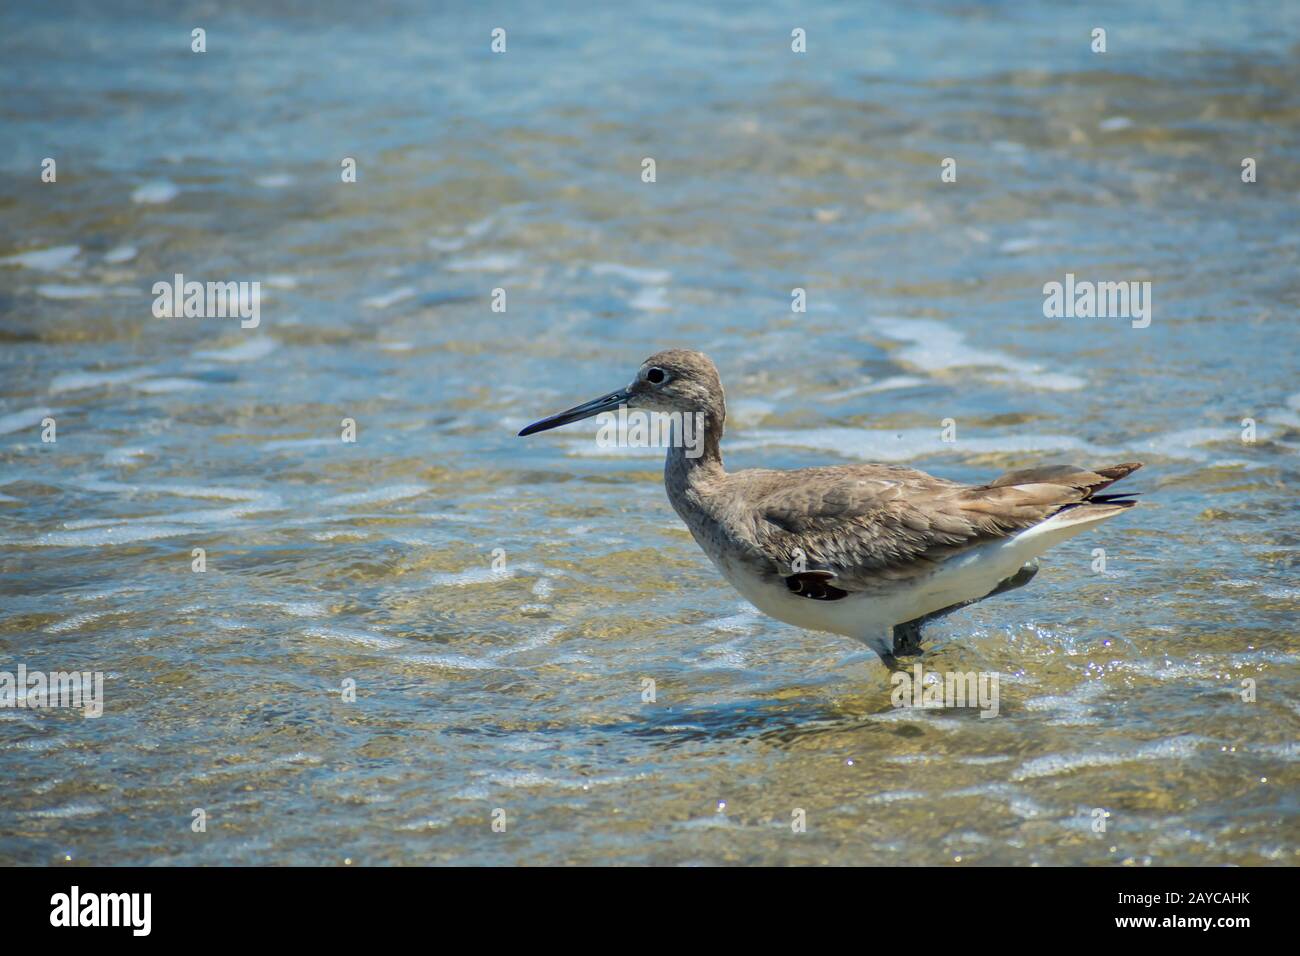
(1017, 580)
(907, 636)
(882, 642)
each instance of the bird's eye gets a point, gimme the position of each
(655, 376)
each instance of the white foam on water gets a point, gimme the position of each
(744, 411)
(120, 254)
(99, 594)
(490, 262)
(718, 821)
(479, 229)
(77, 381)
(1185, 443)
(1066, 714)
(376, 495)
(349, 534)
(246, 351)
(249, 769)
(538, 639)
(210, 516)
(296, 608)
(416, 539)
(347, 635)
(727, 656)
(38, 745)
(1289, 751)
(61, 291)
(287, 444)
(931, 715)
(1049, 381)
(156, 192)
(530, 779)
(75, 622)
(936, 347)
(1016, 802)
(1013, 246)
(1054, 764)
(1112, 123)
(46, 260)
(274, 180)
(1196, 672)
(425, 823)
(447, 517)
(251, 502)
(1079, 705)
(908, 444)
(454, 662)
(882, 385)
(19, 717)
(101, 537)
(472, 576)
(165, 386)
(895, 796)
(1285, 416)
(225, 493)
(744, 621)
(446, 244)
(1174, 748)
(650, 299)
(645, 276)
(27, 418)
(385, 299)
(66, 811)
(227, 624)
(527, 744)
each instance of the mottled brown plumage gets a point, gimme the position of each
(868, 523)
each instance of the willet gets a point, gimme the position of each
(870, 552)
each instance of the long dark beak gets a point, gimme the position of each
(576, 414)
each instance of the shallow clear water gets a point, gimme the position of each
(521, 688)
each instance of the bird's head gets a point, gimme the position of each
(675, 380)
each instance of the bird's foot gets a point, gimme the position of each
(907, 637)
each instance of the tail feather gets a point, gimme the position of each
(1118, 499)
(1121, 498)
(1069, 476)
(1090, 508)
(1032, 495)
(1086, 513)
(1116, 472)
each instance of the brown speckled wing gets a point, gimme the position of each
(871, 525)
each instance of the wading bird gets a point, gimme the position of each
(871, 552)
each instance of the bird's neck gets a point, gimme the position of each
(695, 452)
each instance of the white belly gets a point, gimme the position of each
(867, 617)
(853, 616)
